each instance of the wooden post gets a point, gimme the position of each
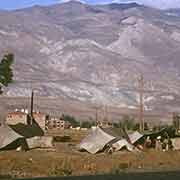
(96, 116)
(141, 103)
(32, 107)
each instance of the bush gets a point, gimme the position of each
(87, 124)
(127, 122)
(136, 127)
(72, 120)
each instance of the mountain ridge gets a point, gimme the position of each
(94, 53)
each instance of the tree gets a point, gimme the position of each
(6, 72)
(136, 127)
(146, 127)
(72, 120)
(176, 121)
(127, 122)
(86, 124)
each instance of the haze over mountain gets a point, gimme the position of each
(95, 53)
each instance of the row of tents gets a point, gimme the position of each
(100, 139)
(27, 137)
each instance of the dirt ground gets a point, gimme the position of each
(65, 160)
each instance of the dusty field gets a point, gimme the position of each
(37, 163)
(65, 160)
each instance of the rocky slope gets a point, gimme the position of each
(95, 54)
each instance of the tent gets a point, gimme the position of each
(114, 137)
(121, 138)
(127, 142)
(95, 141)
(9, 139)
(40, 142)
(119, 133)
(28, 131)
(135, 136)
(120, 144)
(167, 131)
(176, 143)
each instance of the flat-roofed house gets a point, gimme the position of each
(58, 123)
(16, 117)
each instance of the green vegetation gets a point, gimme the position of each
(127, 123)
(6, 73)
(87, 124)
(176, 122)
(76, 123)
(71, 119)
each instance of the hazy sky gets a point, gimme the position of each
(14, 4)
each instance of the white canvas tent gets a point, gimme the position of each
(95, 141)
(40, 142)
(134, 137)
(9, 139)
(8, 136)
(120, 144)
(98, 138)
(176, 143)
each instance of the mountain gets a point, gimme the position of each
(173, 12)
(95, 53)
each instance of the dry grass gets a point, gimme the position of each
(76, 135)
(37, 163)
(66, 160)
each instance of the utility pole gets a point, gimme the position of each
(105, 118)
(32, 107)
(96, 116)
(96, 108)
(141, 103)
(105, 113)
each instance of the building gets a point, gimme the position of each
(16, 117)
(23, 117)
(58, 123)
(41, 119)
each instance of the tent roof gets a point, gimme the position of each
(135, 136)
(116, 132)
(128, 142)
(118, 138)
(96, 140)
(161, 132)
(120, 144)
(27, 130)
(7, 136)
